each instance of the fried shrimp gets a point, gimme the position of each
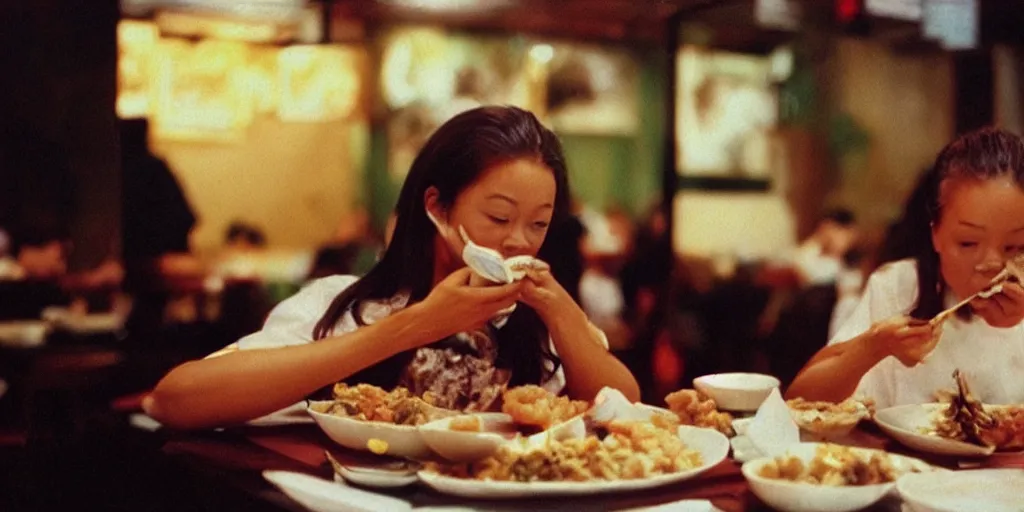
(538, 407)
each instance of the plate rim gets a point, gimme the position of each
(502, 490)
(962, 448)
(901, 484)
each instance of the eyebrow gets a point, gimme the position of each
(513, 201)
(978, 226)
(972, 225)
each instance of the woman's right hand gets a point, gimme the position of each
(907, 339)
(454, 305)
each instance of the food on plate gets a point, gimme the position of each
(834, 465)
(623, 450)
(697, 409)
(829, 417)
(378, 446)
(466, 424)
(537, 407)
(967, 419)
(365, 402)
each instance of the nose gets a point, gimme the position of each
(515, 243)
(992, 262)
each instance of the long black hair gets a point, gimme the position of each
(452, 159)
(984, 154)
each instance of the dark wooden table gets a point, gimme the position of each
(240, 455)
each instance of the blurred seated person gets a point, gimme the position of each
(9, 268)
(237, 261)
(849, 287)
(605, 248)
(799, 317)
(819, 258)
(40, 262)
(243, 236)
(157, 220)
(352, 250)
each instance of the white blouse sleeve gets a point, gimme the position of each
(291, 322)
(891, 291)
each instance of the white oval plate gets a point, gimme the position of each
(321, 495)
(983, 490)
(374, 477)
(904, 423)
(805, 497)
(712, 446)
(403, 440)
(463, 446)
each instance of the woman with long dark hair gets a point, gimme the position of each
(961, 226)
(415, 319)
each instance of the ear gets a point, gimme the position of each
(432, 205)
(934, 236)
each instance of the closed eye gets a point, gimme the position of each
(497, 220)
(540, 225)
(968, 245)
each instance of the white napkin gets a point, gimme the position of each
(610, 404)
(769, 433)
(321, 495)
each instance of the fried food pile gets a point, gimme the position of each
(823, 417)
(833, 465)
(967, 419)
(535, 406)
(694, 408)
(365, 402)
(627, 450)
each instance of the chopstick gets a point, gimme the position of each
(941, 317)
(994, 287)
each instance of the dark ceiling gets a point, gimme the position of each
(647, 21)
(636, 21)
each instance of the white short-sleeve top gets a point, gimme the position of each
(291, 322)
(991, 358)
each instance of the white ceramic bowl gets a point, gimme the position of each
(737, 391)
(464, 446)
(790, 496)
(403, 440)
(983, 490)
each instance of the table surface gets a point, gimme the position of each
(240, 455)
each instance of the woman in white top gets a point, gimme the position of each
(415, 320)
(971, 224)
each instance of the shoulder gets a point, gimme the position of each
(313, 298)
(292, 321)
(898, 277)
(330, 285)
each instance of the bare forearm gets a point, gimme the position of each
(588, 366)
(835, 371)
(246, 384)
